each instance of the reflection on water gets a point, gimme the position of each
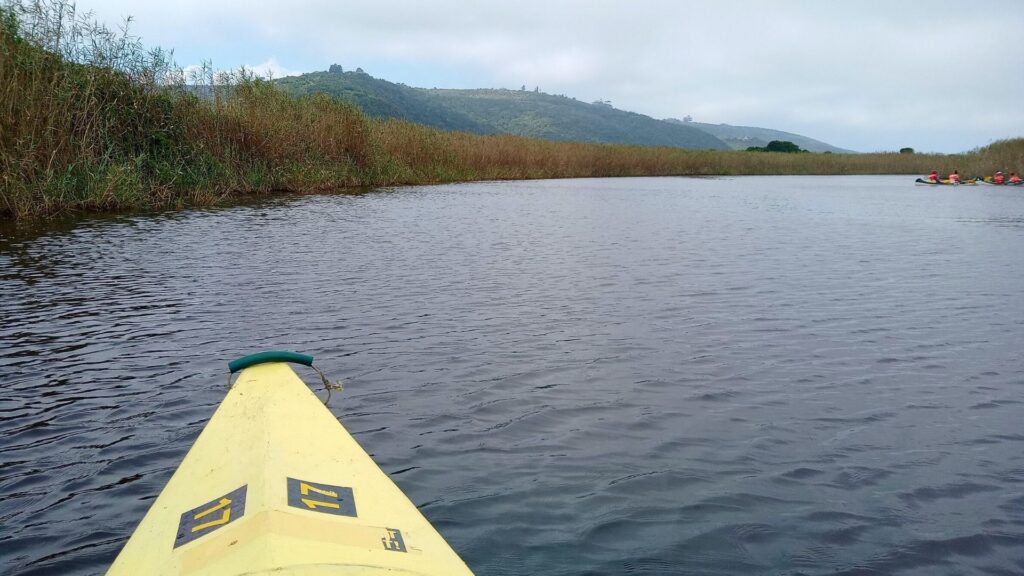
(718, 376)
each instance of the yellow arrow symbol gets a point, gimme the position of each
(314, 504)
(224, 518)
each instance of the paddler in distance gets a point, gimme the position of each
(1014, 179)
(954, 178)
(934, 176)
(998, 178)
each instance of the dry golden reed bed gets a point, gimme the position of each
(92, 121)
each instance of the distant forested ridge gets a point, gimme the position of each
(383, 99)
(530, 113)
(743, 137)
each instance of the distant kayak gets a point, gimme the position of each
(945, 182)
(275, 484)
(988, 180)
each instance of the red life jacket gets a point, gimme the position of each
(998, 178)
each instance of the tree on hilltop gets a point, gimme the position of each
(784, 146)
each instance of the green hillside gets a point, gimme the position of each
(519, 112)
(383, 99)
(533, 114)
(540, 115)
(742, 137)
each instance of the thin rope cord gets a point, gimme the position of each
(328, 385)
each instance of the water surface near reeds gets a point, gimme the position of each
(756, 375)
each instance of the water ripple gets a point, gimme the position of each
(641, 376)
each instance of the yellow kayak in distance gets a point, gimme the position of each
(276, 485)
(967, 182)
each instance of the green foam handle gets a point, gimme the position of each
(269, 356)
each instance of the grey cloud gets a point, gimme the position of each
(869, 74)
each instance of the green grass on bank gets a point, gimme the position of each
(90, 120)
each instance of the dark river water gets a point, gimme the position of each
(760, 375)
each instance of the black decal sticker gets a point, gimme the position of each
(326, 498)
(208, 517)
(393, 540)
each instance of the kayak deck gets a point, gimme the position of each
(275, 483)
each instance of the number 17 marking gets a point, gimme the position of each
(210, 517)
(323, 498)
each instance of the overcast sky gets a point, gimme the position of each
(940, 75)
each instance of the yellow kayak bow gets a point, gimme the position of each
(276, 485)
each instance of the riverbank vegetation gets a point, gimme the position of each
(90, 120)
